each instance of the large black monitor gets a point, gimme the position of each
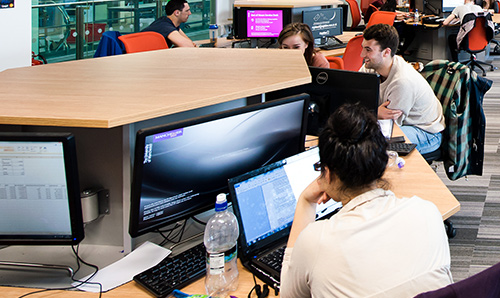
(330, 88)
(180, 168)
(39, 190)
(324, 23)
(260, 22)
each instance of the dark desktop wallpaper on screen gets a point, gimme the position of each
(185, 168)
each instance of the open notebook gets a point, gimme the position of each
(264, 202)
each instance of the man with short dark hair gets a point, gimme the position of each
(177, 12)
(405, 95)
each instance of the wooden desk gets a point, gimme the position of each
(415, 178)
(112, 91)
(345, 37)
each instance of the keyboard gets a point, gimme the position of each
(334, 46)
(274, 259)
(401, 148)
(174, 272)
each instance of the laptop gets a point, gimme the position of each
(264, 202)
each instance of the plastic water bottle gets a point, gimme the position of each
(416, 16)
(213, 31)
(221, 236)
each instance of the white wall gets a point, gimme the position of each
(15, 35)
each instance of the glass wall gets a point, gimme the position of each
(58, 25)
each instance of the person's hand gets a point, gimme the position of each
(314, 193)
(385, 113)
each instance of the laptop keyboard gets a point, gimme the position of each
(274, 259)
(401, 148)
(174, 272)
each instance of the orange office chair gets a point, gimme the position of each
(476, 41)
(355, 14)
(143, 41)
(352, 57)
(381, 17)
(364, 5)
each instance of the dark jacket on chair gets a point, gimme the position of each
(461, 93)
(485, 284)
(109, 45)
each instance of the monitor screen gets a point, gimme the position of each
(330, 88)
(39, 190)
(180, 168)
(323, 22)
(449, 5)
(260, 22)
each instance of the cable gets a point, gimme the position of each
(78, 261)
(198, 221)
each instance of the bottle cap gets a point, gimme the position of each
(213, 26)
(221, 202)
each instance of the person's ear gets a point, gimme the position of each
(387, 52)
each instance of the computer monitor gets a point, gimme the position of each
(260, 22)
(180, 168)
(39, 190)
(329, 89)
(324, 23)
(430, 7)
(449, 5)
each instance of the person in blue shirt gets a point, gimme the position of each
(177, 12)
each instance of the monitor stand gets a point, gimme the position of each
(37, 266)
(330, 43)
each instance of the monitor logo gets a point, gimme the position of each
(322, 78)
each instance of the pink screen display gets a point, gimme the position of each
(264, 23)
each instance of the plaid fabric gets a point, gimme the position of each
(463, 138)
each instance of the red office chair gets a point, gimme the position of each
(143, 41)
(352, 57)
(381, 17)
(475, 42)
(355, 14)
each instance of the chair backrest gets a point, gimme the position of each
(143, 41)
(381, 17)
(374, 7)
(477, 40)
(352, 56)
(483, 284)
(364, 5)
(335, 62)
(355, 13)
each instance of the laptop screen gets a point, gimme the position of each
(264, 200)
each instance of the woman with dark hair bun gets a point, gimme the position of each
(299, 36)
(377, 245)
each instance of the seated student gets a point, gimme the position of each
(177, 12)
(455, 17)
(377, 245)
(405, 95)
(299, 36)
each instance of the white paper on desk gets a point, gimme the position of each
(386, 127)
(122, 271)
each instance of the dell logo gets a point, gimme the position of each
(321, 78)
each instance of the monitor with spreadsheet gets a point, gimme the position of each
(324, 23)
(39, 190)
(179, 168)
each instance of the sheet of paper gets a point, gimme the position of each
(122, 271)
(386, 127)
